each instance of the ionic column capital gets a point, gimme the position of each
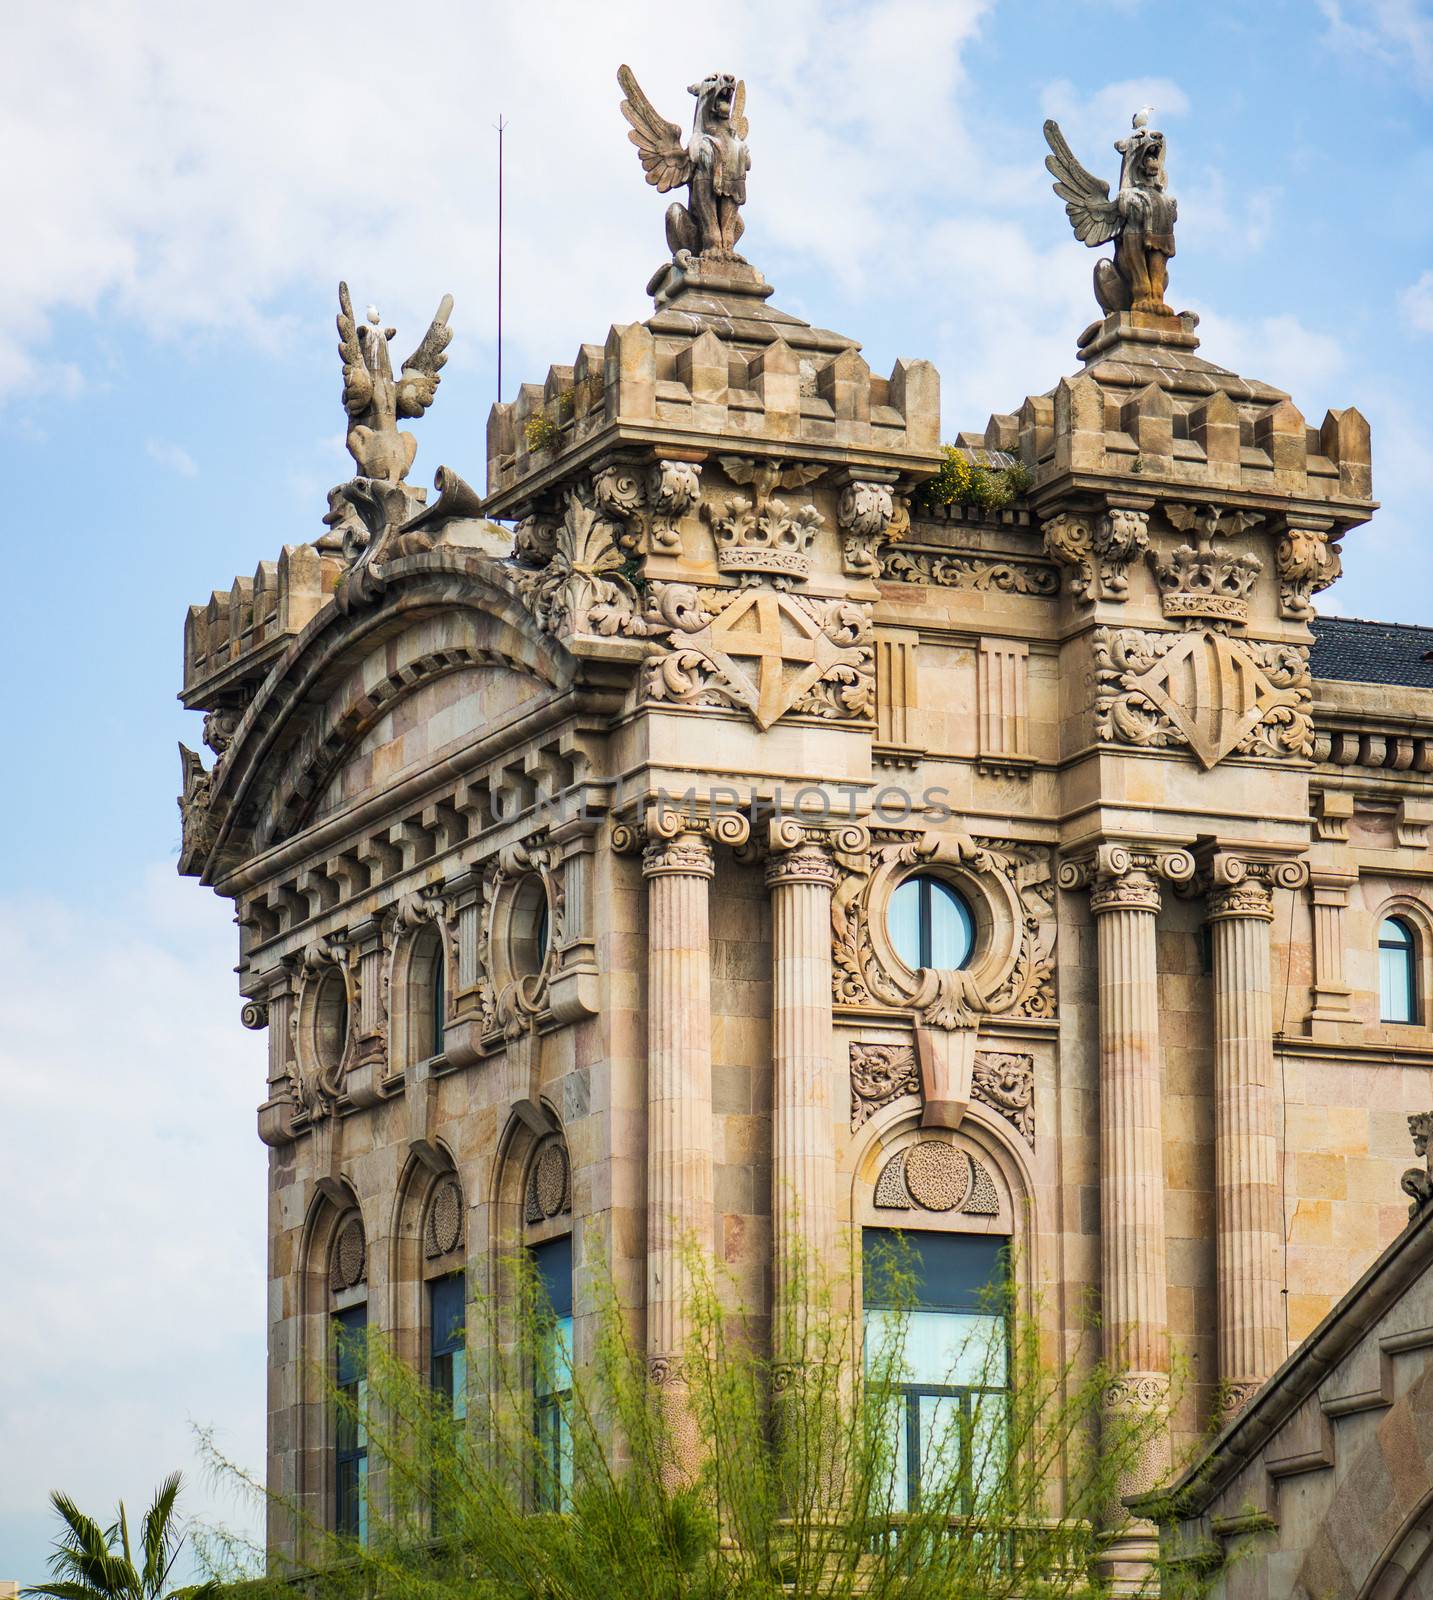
(678, 841)
(688, 855)
(1239, 885)
(1126, 877)
(807, 863)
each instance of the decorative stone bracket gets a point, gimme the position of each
(1098, 548)
(884, 1073)
(869, 515)
(1307, 560)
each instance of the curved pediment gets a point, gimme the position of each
(447, 653)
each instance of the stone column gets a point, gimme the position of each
(679, 1088)
(1248, 1213)
(1125, 900)
(803, 1181)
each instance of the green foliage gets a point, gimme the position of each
(964, 482)
(759, 1479)
(94, 1563)
(540, 432)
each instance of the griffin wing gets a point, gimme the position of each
(357, 380)
(799, 477)
(418, 381)
(1093, 215)
(191, 767)
(659, 142)
(738, 109)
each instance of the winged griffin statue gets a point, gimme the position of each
(1140, 218)
(713, 163)
(378, 499)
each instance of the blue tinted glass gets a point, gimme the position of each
(446, 1312)
(946, 1271)
(553, 1261)
(904, 922)
(930, 925)
(951, 930)
(351, 1326)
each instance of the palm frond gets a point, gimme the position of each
(60, 1590)
(157, 1536)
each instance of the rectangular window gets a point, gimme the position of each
(552, 1375)
(351, 1423)
(447, 1347)
(933, 1328)
(439, 1003)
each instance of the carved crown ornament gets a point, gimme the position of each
(759, 534)
(1007, 884)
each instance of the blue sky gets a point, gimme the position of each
(191, 189)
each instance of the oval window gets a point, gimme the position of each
(930, 925)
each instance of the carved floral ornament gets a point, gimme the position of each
(443, 1225)
(1098, 548)
(882, 1074)
(677, 842)
(1126, 877)
(1307, 560)
(1007, 883)
(870, 515)
(548, 1192)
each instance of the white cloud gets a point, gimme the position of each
(186, 168)
(1093, 121)
(1398, 33)
(133, 1193)
(172, 457)
(1417, 303)
(1280, 350)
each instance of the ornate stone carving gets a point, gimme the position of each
(867, 514)
(763, 534)
(1140, 218)
(764, 651)
(1307, 560)
(443, 1228)
(974, 572)
(348, 1257)
(585, 585)
(672, 490)
(1098, 550)
(255, 1015)
(1202, 690)
(945, 999)
(805, 863)
(1006, 1083)
(1122, 877)
(1418, 1181)
(880, 1074)
(549, 1184)
(1203, 583)
(712, 164)
(220, 727)
(198, 828)
(936, 1177)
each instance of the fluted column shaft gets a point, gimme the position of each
(1246, 1153)
(1133, 1267)
(804, 1167)
(679, 1087)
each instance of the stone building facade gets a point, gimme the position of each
(598, 844)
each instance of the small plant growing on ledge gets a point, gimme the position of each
(964, 482)
(540, 432)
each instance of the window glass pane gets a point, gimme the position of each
(447, 1312)
(553, 1261)
(939, 1348)
(951, 1271)
(904, 922)
(1395, 982)
(351, 1422)
(439, 1003)
(951, 929)
(989, 1442)
(1395, 933)
(941, 1447)
(552, 1376)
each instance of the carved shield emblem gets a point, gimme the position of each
(1213, 691)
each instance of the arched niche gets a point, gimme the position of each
(428, 1241)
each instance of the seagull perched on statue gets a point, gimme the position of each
(1141, 117)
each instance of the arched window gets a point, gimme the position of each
(930, 925)
(348, 1277)
(937, 1333)
(1397, 971)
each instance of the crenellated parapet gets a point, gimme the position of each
(710, 381)
(230, 642)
